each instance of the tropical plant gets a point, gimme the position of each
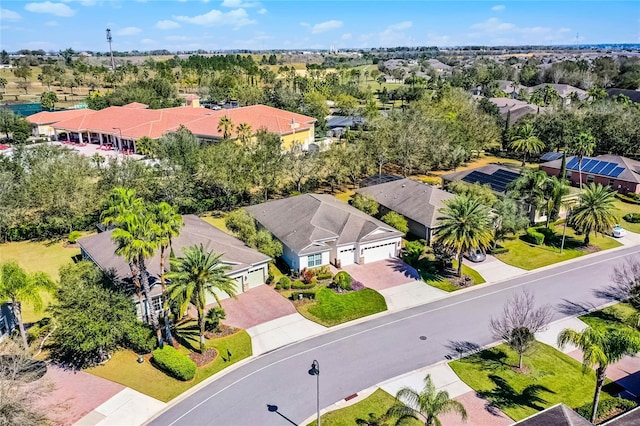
(17, 286)
(526, 142)
(465, 224)
(531, 185)
(396, 221)
(554, 190)
(601, 347)
(596, 211)
(582, 146)
(194, 276)
(225, 126)
(426, 405)
(245, 132)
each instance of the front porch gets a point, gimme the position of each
(104, 141)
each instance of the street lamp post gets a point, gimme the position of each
(120, 141)
(315, 371)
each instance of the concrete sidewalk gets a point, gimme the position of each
(410, 294)
(127, 407)
(282, 331)
(493, 270)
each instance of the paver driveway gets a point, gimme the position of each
(256, 306)
(383, 274)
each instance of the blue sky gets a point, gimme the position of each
(247, 24)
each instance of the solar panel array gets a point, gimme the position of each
(498, 180)
(596, 167)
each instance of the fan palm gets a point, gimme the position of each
(582, 146)
(245, 132)
(465, 225)
(596, 211)
(601, 347)
(18, 286)
(194, 276)
(531, 185)
(225, 126)
(526, 142)
(427, 404)
(554, 190)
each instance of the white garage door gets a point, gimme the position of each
(255, 277)
(346, 256)
(379, 252)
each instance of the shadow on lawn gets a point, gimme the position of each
(491, 359)
(188, 335)
(408, 271)
(505, 396)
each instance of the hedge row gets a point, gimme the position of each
(628, 199)
(632, 218)
(174, 363)
(606, 407)
(534, 237)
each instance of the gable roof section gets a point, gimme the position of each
(195, 231)
(49, 117)
(558, 415)
(414, 200)
(498, 177)
(305, 222)
(621, 168)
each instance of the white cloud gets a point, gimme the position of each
(404, 25)
(56, 9)
(498, 7)
(326, 26)
(9, 15)
(494, 31)
(234, 4)
(148, 41)
(346, 36)
(82, 2)
(262, 11)
(51, 23)
(393, 35)
(166, 25)
(128, 31)
(305, 24)
(492, 26)
(178, 38)
(237, 18)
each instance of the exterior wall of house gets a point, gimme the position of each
(305, 137)
(573, 176)
(303, 261)
(42, 129)
(415, 228)
(7, 322)
(380, 250)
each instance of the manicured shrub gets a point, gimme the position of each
(606, 407)
(633, 199)
(397, 221)
(305, 295)
(548, 233)
(73, 236)
(356, 285)
(534, 237)
(284, 283)
(139, 337)
(500, 250)
(213, 317)
(322, 272)
(174, 363)
(307, 275)
(343, 280)
(412, 252)
(632, 218)
(300, 285)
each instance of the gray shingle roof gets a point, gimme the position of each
(558, 415)
(564, 90)
(304, 222)
(414, 200)
(631, 171)
(195, 231)
(495, 175)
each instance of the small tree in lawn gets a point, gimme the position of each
(520, 321)
(397, 221)
(365, 203)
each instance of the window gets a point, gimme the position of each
(611, 182)
(590, 178)
(157, 303)
(568, 174)
(314, 260)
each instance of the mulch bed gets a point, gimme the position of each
(589, 249)
(225, 330)
(203, 358)
(461, 282)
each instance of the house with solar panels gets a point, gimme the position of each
(497, 177)
(619, 173)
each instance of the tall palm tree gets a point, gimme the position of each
(18, 286)
(225, 126)
(465, 225)
(596, 211)
(583, 146)
(554, 190)
(427, 404)
(531, 185)
(168, 223)
(194, 276)
(245, 132)
(601, 347)
(526, 142)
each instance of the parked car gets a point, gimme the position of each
(476, 255)
(619, 231)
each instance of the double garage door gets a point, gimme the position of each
(379, 251)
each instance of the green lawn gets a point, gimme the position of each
(491, 374)
(123, 368)
(345, 196)
(377, 404)
(330, 309)
(612, 316)
(528, 256)
(218, 222)
(623, 209)
(33, 256)
(442, 283)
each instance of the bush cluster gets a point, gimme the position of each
(301, 285)
(630, 198)
(322, 272)
(500, 250)
(139, 337)
(356, 285)
(606, 407)
(73, 236)
(174, 363)
(311, 294)
(549, 234)
(343, 280)
(412, 252)
(39, 329)
(632, 218)
(534, 237)
(284, 283)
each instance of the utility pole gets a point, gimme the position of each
(109, 39)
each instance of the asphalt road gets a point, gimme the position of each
(359, 356)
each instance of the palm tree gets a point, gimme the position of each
(596, 211)
(17, 286)
(554, 190)
(531, 185)
(601, 347)
(168, 223)
(425, 405)
(526, 142)
(583, 146)
(244, 133)
(225, 126)
(195, 275)
(465, 225)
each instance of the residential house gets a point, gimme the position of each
(620, 173)
(633, 95)
(557, 415)
(121, 126)
(417, 202)
(318, 229)
(498, 177)
(7, 320)
(515, 109)
(249, 268)
(564, 90)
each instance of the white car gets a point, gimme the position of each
(619, 231)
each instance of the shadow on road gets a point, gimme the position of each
(274, 409)
(568, 307)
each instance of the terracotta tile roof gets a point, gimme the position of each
(138, 122)
(48, 117)
(136, 105)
